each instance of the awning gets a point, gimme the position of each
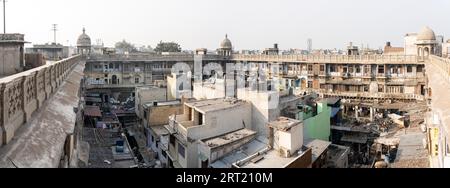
(93, 99)
(92, 111)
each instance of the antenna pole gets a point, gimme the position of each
(54, 32)
(4, 16)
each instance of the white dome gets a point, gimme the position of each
(426, 34)
(226, 43)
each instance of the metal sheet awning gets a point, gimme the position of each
(92, 111)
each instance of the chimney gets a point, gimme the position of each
(388, 44)
(275, 46)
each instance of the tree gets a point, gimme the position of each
(125, 46)
(167, 47)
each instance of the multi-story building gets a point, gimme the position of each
(51, 51)
(202, 120)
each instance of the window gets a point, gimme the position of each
(333, 68)
(181, 150)
(136, 80)
(380, 88)
(344, 69)
(322, 68)
(172, 140)
(310, 84)
(366, 69)
(358, 69)
(409, 69)
(310, 68)
(380, 69)
(106, 75)
(157, 144)
(419, 68)
(394, 70)
(152, 138)
(350, 69)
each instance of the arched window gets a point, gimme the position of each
(426, 52)
(115, 80)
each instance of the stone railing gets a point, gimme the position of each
(374, 59)
(24, 93)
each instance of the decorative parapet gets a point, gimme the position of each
(24, 93)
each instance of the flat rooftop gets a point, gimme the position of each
(212, 105)
(284, 123)
(159, 130)
(229, 138)
(269, 159)
(317, 146)
(247, 150)
(272, 159)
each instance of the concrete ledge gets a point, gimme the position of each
(40, 142)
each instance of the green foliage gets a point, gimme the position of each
(168, 47)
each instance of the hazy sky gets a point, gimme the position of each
(250, 24)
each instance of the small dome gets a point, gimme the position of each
(84, 39)
(426, 34)
(226, 43)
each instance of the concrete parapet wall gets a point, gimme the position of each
(22, 94)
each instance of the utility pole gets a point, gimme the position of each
(4, 16)
(54, 29)
(309, 45)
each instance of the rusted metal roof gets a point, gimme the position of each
(92, 111)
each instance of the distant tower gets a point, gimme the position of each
(309, 44)
(426, 43)
(84, 44)
(226, 48)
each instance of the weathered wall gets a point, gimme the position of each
(159, 115)
(148, 94)
(33, 61)
(291, 140)
(223, 122)
(209, 91)
(318, 127)
(23, 93)
(10, 59)
(304, 161)
(261, 113)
